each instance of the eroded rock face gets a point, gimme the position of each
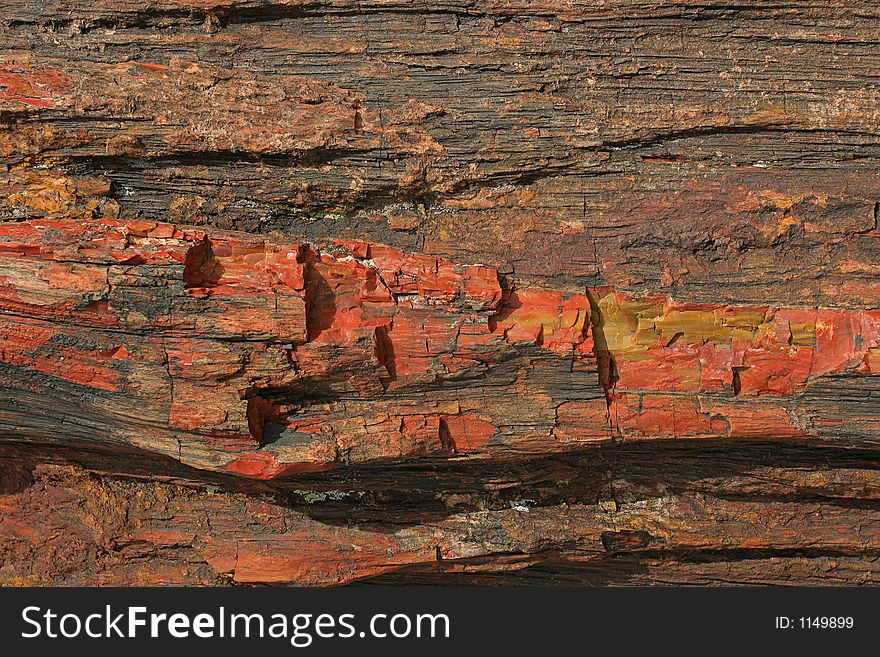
(238, 352)
(314, 292)
(139, 533)
(266, 359)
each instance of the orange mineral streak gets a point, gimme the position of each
(265, 465)
(25, 86)
(411, 307)
(651, 415)
(548, 318)
(42, 347)
(308, 556)
(467, 432)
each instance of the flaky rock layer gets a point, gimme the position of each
(320, 292)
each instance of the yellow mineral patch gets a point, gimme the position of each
(630, 325)
(873, 359)
(803, 334)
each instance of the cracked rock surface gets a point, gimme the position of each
(325, 292)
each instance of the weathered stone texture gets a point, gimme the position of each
(322, 291)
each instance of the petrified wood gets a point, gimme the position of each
(322, 292)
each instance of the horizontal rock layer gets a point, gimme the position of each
(496, 292)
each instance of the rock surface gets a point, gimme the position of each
(317, 292)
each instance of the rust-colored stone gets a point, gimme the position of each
(488, 292)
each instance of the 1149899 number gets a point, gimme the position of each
(826, 622)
